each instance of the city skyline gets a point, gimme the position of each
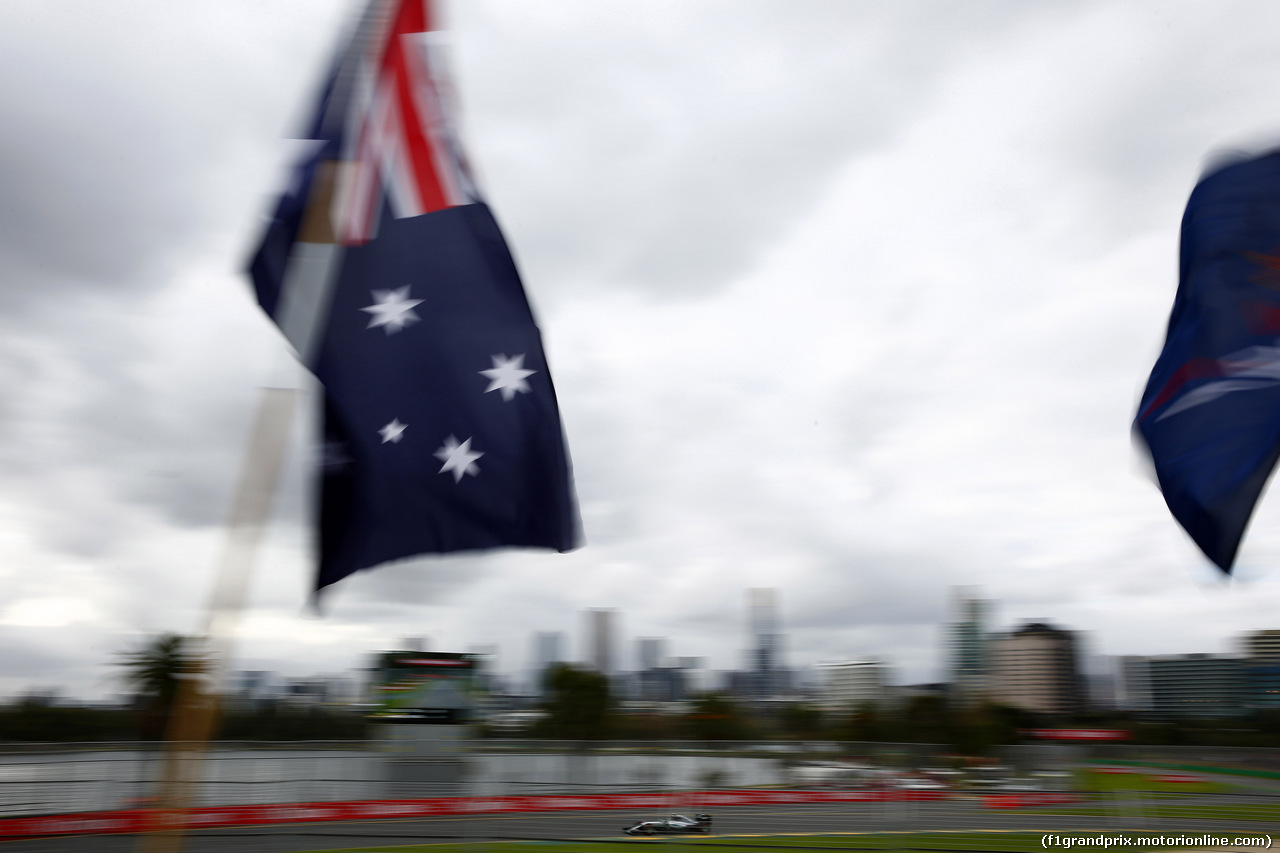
(991, 663)
(986, 677)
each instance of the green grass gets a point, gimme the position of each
(1092, 780)
(1166, 810)
(1200, 768)
(996, 840)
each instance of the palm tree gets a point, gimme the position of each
(154, 671)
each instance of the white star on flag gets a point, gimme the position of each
(393, 309)
(458, 458)
(393, 431)
(507, 375)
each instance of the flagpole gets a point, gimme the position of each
(191, 722)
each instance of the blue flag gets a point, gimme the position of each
(1210, 414)
(385, 269)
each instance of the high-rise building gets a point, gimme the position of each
(847, 685)
(649, 653)
(1133, 684)
(548, 649)
(696, 678)
(1199, 685)
(1263, 647)
(1262, 669)
(967, 646)
(601, 640)
(659, 678)
(768, 675)
(1036, 668)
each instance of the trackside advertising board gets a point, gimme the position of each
(1079, 734)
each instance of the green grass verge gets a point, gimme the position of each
(1162, 810)
(1092, 780)
(1200, 768)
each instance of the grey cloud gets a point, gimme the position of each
(686, 175)
(386, 592)
(34, 658)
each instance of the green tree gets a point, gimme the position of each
(866, 724)
(276, 723)
(153, 671)
(928, 719)
(715, 717)
(979, 729)
(803, 721)
(578, 704)
(36, 719)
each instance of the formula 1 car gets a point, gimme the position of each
(676, 824)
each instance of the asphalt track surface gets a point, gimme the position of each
(560, 830)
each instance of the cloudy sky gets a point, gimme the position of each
(849, 299)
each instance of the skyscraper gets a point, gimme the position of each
(547, 650)
(600, 640)
(766, 642)
(656, 679)
(1262, 669)
(967, 646)
(649, 653)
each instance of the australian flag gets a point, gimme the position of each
(1210, 414)
(385, 269)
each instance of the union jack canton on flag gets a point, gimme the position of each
(386, 271)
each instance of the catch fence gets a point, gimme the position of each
(40, 779)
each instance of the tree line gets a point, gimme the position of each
(152, 673)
